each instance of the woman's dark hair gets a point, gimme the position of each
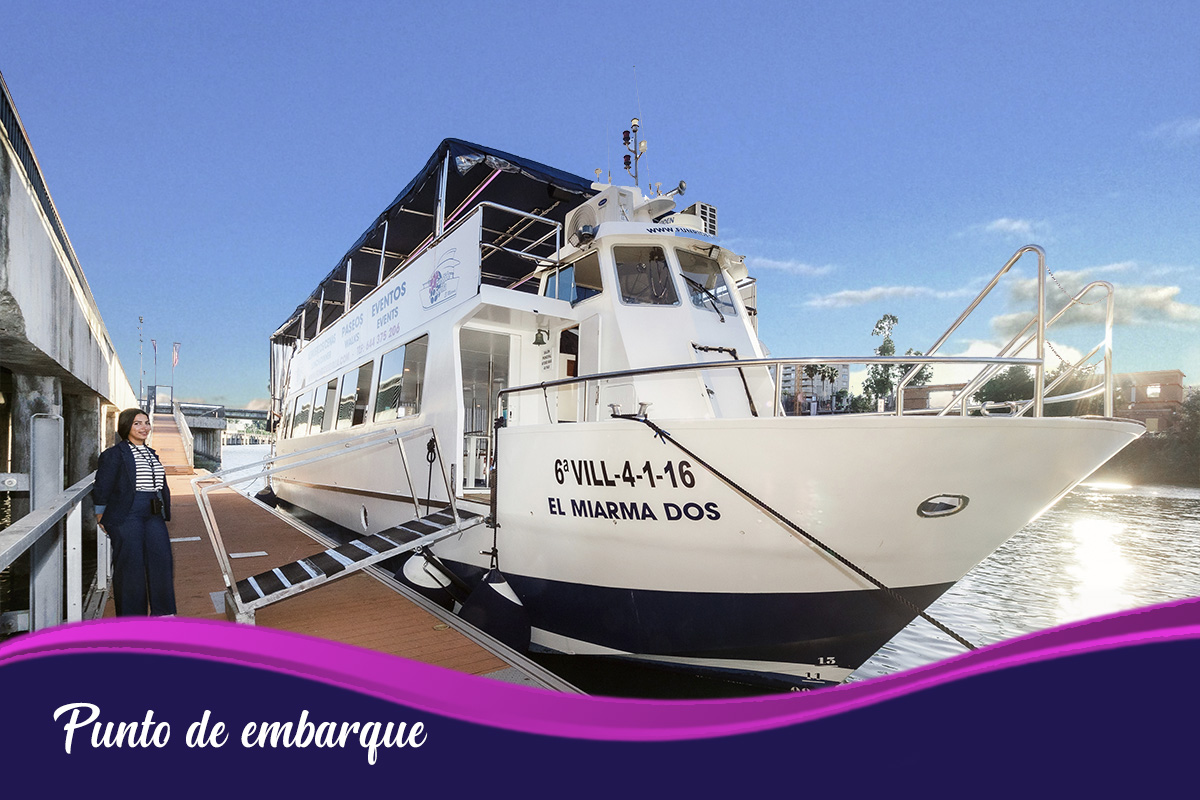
(125, 421)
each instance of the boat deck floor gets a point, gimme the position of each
(357, 610)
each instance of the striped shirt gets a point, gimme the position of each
(150, 472)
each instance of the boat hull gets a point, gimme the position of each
(756, 545)
(614, 551)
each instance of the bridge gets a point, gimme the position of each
(203, 410)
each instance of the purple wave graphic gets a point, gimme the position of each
(518, 708)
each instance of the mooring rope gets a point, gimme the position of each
(890, 592)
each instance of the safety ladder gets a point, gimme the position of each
(244, 597)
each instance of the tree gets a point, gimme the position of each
(882, 378)
(860, 404)
(1017, 384)
(811, 371)
(1077, 381)
(829, 374)
(879, 381)
(1014, 383)
(1183, 440)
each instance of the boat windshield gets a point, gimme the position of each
(644, 277)
(706, 283)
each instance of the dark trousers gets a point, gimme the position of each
(143, 569)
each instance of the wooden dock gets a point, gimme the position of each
(358, 610)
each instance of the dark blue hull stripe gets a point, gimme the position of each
(835, 628)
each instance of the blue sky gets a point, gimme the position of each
(212, 161)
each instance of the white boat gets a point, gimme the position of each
(578, 362)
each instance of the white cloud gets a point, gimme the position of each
(1015, 227)
(857, 297)
(1133, 305)
(1178, 132)
(791, 266)
(1068, 281)
(1012, 228)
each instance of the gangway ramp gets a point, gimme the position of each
(308, 573)
(357, 604)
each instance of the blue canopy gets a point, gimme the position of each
(477, 174)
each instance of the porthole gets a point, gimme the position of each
(942, 505)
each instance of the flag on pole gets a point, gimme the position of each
(154, 344)
(175, 356)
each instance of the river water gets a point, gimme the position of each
(1104, 548)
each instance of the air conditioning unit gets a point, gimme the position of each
(706, 213)
(614, 204)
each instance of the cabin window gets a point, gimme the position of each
(401, 378)
(706, 283)
(576, 281)
(644, 277)
(300, 416)
(356, 389)
(326, 398)
(328, 408)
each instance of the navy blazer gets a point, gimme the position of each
(116, 484)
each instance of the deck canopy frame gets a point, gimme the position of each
(456, 178)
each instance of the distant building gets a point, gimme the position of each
(797, 386)
(933, 395)
(1152, 398)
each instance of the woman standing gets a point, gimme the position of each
(132, 505)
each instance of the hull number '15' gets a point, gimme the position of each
(676, 474)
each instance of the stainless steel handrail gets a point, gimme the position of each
(777, 363)
(991, 365)
(341, 447)
(1107, 386)
(1016, 345)
(1040, 319)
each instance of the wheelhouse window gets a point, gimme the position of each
(706, 283)
(401, 379)
(356, 389)
(644, 277)
(576, 281)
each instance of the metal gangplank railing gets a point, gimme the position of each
(54, 532)
(243, 598)
(1034, 333)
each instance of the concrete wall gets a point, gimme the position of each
(206, 432)
(49, 323)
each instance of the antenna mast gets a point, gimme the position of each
(638, 149)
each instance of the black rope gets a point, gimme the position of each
(892, 593)
(430, 456)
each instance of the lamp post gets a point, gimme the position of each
(141, 368)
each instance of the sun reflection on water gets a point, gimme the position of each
(1096, 571)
